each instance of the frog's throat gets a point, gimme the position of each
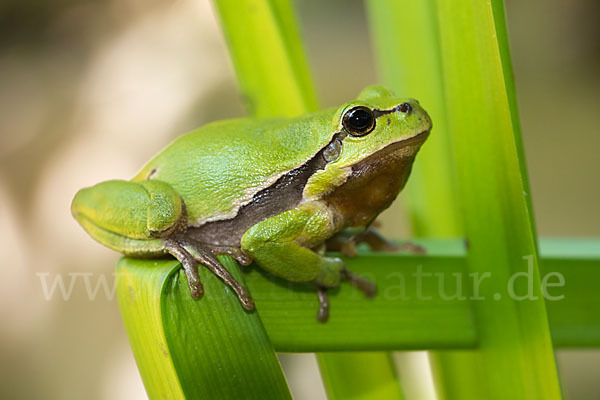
(375, 181)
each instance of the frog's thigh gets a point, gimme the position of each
(276, 244)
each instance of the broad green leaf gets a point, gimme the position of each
(411, 313)
(406, 39)
(186, 348)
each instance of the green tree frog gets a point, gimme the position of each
(274, 191)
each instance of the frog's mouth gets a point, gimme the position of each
(419, 137)
(398, 155)
(403, 148)
(140, 248)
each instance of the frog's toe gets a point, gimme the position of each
(349, 249)
(243, 258)
(190, 266)
(247, 302)
(244, 297)
(411, 248)
(363, 284)
(206, 257)
(197, 290)
(323, 313)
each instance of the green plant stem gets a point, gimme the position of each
(408, 315)
(516, 353)
(405, 36)
(271, 68)
(412, 66)
(493, 190)
(267, 55)
(364, 376)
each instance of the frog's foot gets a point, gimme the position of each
(363, 284)
(323, 314)
(185, 250)
(410, 247)
(207, 258)
(190, 266)
(331, 275)
(377, 242)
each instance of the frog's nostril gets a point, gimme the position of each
(404, 108)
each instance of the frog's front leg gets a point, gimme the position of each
(166, 217)
(205, 256)
(283, 246)
(189, 253)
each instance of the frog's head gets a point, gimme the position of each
(373, 143)
(129, 217)
(375, 120)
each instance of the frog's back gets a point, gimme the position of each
(219, 167)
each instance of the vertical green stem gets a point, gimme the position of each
(406, 40)
(405, 37)
(267, 54)
(359, 376)
(469, 50)
(516, 355)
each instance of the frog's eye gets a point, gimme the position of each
(359, 121)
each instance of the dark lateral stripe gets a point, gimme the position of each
(284, 194)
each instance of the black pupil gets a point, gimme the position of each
(360, 119)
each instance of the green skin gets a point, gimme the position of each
(275, 191)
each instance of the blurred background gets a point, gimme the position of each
(90, 90)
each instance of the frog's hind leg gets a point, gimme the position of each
(206, 257)
(190, 266)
